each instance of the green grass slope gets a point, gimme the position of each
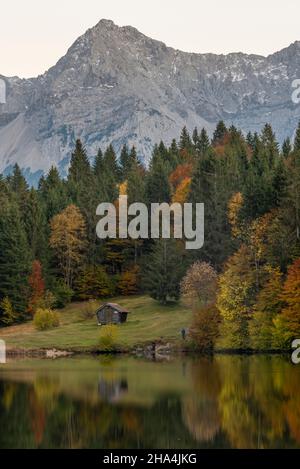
(148, 321)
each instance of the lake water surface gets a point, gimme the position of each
(124, 402)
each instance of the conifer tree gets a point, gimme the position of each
(297, 139)
(286, 147)
(35, 223)
(280, 183)
(17, 182)
(110, 162)
(164, 271)
(206, 188)
(136, 189)
(53, 192)
(250, 140)
(195, 137)
(133, 157)
(14, 257)
(125, 162)
(219, 133)
(98, 166)
(173, 154)
(185, 142)
(79, 166)
(157, 184)
(270, 146)
(203, 143)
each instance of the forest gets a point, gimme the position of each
(243, 286)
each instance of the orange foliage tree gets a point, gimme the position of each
(37, 286)
(183, 171)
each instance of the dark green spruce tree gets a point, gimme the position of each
(164, 271)
(14, 257)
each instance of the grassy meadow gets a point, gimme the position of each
(148, 321)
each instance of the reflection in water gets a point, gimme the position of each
(225, 401)
(112, 391)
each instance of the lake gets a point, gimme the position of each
(125, 402)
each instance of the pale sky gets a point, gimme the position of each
(34, 34)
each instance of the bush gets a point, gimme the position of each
(108, 336)
(63, 294)
(89, 310)
(45, 319)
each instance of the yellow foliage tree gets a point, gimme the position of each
(123, 188)
(68, 240)
(234, 207)
(182, 191)
(235, 298)
(9, 316)
(268, 305)
(287, 324)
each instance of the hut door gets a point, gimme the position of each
(115, 318)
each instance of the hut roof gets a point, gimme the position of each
(115, 306)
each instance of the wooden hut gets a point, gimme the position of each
(111, 313)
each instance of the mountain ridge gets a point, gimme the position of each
(116, 85)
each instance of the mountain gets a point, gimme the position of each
(117, 85)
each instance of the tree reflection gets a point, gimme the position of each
(225, 401)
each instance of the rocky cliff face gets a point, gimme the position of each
(117, 85)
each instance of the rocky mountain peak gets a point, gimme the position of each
(116, 85)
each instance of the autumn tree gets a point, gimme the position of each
(93, 283)
(8, 316)
(199, 285)
(129, 281)
(182, 192)
(68, 240)
(204, 330)
(288, 322)
(37, 286)
(235, 299)
(182, 172)
(234, 208)
(267, 306)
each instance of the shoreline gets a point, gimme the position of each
(147, 351)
